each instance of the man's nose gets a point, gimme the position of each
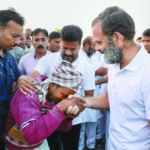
(40, 42)
(68, 52)
(97, 48)
(144, 43)
(17, 41)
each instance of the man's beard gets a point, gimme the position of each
(70, 58)
(90, 51)
(112, 54)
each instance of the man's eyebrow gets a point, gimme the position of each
(16, 34)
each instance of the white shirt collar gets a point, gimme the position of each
(135, 63)
(34, 55)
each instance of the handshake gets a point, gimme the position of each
(72, 106)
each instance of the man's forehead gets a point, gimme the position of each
(40, 35)
(145, 37)
(14, 28)
(56, 39)
(12, 23)
(97, 33)
(70, 44)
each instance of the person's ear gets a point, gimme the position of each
(118, 38)
(87, 45)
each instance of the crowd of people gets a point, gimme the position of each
(59, 92)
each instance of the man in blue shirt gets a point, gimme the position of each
(10, 31)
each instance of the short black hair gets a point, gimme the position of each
(10, 15)
(139, 38)
(146, 32)
(87, 40)
(54, 35)
(38, 30)
(71, 33)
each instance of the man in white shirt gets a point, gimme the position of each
(128, 81)
(70, 44)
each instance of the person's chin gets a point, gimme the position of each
(68, 59)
